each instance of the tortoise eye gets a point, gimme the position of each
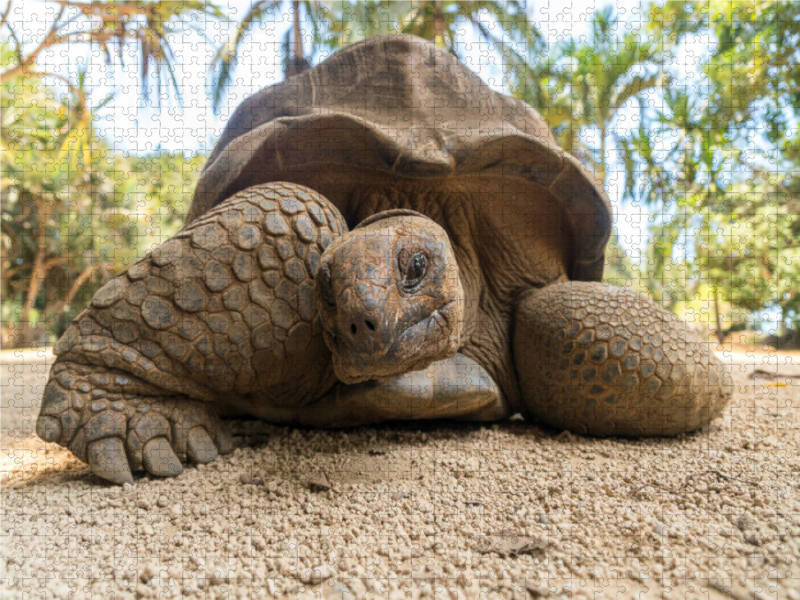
(417, 267)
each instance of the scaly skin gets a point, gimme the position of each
(224, 309)
(222, 317)
(604, 360)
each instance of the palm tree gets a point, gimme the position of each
(502, 24)
(43, 198)
(336, 24)
(109, 25)
(74, 211)
(584, 85)
(316, 14)
(580, 89)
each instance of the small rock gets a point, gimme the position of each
(320, 483)
(247, 479)
(752, 539)
(148, 573)
(317, 575)
(538, 591)
(745, 522)
(511, 543)
(398, 495)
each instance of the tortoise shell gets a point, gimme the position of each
(399, 107)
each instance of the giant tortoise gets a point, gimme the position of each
(379, 237)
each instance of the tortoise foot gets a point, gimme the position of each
(102, 420)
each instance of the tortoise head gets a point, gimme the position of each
(389, 297)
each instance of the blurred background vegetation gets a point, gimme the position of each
(707, 145)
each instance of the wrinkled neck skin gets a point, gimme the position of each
(487, 310)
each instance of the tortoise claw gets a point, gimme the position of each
(200, 447)
(160, 459)
(48, 428)
(108, 460)
(117, 434)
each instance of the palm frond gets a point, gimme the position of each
(223, 62)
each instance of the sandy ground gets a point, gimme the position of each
(509, 510)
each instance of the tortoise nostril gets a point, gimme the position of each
(357, 331)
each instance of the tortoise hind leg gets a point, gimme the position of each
(598, 359)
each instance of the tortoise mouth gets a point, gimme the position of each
(432, 338)
(428, 330)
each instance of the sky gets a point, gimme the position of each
(132, 123)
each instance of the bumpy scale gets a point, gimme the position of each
(604, 360)
(222, 309)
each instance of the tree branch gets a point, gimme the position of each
(4, 16)
(51, 39)
(88, 273)
(49, 264)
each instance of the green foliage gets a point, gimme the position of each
(110, 25)
(716, 160)
(581, 86)
(727, 183)
(72, 219)
(752, 252)
(620, 269)
(308, 17)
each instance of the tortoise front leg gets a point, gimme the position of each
(454, 388)
(119, 423)
(223, 312)
(598, 359)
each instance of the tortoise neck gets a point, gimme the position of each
(430, 198)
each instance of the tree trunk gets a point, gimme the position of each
(438, 24)
(88, 273)
(718, 315)
(601, 164)
(296, 63)
(297, 37)
(782, 330)
(5, 249)
(37, 279)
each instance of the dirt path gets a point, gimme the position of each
(442, 510)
